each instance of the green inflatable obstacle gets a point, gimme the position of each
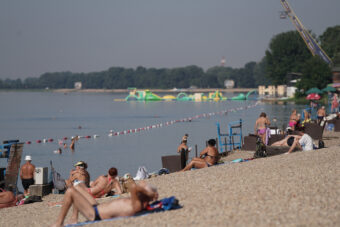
(241, 96)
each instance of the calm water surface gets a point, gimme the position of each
(29, 116)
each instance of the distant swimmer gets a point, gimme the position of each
(72, 144)
(59, 151)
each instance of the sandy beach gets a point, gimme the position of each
(300, 189)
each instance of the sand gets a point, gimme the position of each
(299, 189)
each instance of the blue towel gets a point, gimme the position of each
(170, 203)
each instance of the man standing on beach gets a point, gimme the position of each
(27, 173)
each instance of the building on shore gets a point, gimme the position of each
(286, 90)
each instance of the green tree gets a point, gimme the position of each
(287, 53)
(330, 43)
(315, 73)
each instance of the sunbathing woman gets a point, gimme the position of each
(208, 157)
(293, 120)
(261, 125)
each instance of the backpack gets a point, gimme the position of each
(260, 150)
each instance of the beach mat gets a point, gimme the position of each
(170, 203)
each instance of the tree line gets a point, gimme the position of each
(286, 53)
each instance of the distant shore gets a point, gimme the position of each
(198, 90)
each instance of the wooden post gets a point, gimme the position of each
(196, 150)
(225, 144)
(217, 144)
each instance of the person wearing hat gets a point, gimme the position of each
(184, 151)
(27, 174)
(79, 175)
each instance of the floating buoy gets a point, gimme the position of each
(44, 140)
(87, 137)
(65, 138)
(28, 142)
(50, 140)
(38, 141)
(95, 136)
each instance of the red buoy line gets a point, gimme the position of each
(146, 128)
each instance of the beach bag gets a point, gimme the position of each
(163, 171)
(142, 173)
(260, 150)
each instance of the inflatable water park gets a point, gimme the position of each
(147, 95)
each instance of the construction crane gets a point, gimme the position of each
(311, 43)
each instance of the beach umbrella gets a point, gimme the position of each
(314, 90)
(329, 89)
(313, 96)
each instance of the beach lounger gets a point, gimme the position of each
(336, 123)
(314, 130)
(250, 141)
(170, 203)
(172, 162)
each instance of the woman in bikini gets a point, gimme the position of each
(293, 120)
(208, 157)
(261, 125)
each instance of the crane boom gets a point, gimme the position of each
(311, 43)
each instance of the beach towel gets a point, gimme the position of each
(170, 203)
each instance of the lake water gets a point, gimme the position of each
(32, 116)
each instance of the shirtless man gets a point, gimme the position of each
(183, 150)
(80, 174)
(140, 197)
(321, 114)
(208, 157)
(105, 184)
(261, 125)
(27, 173)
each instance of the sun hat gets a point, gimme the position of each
(28, 158)
(81, 164)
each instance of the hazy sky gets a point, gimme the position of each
(38, 36)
